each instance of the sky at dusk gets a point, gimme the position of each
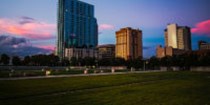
(31, 24)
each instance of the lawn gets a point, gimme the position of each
(166, 88)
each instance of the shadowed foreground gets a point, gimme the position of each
(166, 88)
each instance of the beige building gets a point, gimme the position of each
(128, 43)
(168, 51)
(177, 41)
(81, 53)
(160, 52)
(203, 45)
(178, 37)
(106, 51)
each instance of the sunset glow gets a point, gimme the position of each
(32, 30)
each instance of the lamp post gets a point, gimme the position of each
(145, 62)
(96, 63)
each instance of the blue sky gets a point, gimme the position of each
(151, 16)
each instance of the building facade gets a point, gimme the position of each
(168, 51)
(160, 52)
(106, 51)
(178, 37)
(202, 45)
(128, 43)
(81, 53)
(76, 26)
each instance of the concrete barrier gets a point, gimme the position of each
(115, 67)
(30, 68)
(200, 68)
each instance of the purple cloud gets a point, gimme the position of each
(19, 46)
(27, 28)
(106, 27)
(25, 20)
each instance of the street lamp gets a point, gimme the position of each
(96, 61)
(145, 62)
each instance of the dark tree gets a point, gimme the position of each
(81, 62)
(5, 59)
(73, 61)
(166, 61)
(153, 63)
(16, 61)
(65, 62)
(129, 63)
(104, 62)
(53, 60)
(27, 60)
(138, 63)
(118, 62)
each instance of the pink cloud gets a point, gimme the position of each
(28, 28)
(47, 47)
(202, 28)
(106, 27)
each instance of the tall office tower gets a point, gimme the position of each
(77, 26)
(128, 43)
(178, 37)
(177, 41)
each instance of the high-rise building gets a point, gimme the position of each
(77, 26)
(177, 41)
(178, 37)
(128, 43)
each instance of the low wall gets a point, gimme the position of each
(200, 68)
(30, 68)
(173, 68)
(113, 67)
(78, 67)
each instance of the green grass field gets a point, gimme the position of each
(166, 88)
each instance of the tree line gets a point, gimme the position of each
(35, 60)
(182, 61)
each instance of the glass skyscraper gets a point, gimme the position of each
(77, 26)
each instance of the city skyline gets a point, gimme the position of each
(38, 25)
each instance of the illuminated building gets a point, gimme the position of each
(178, 37)
(177, 41)
(128, 43)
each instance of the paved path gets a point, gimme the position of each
(76, 75)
